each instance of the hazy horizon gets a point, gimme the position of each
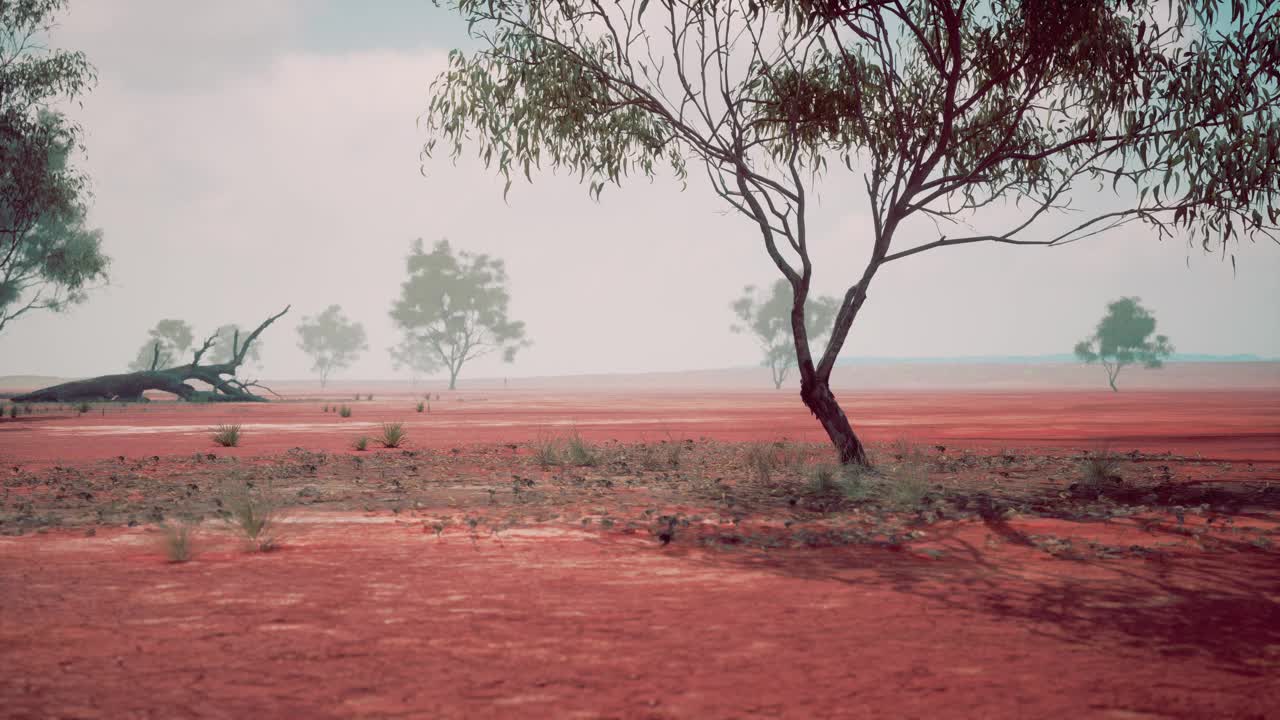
(239, 167)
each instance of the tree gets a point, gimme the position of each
(1123, 338)
(131, 386)
(455, 306)
(939, 109)
(332, 341)
(414, 354)
(224, 346)
(48, 256)
(168, 340)
(769, 320)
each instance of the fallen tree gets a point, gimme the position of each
(128, 387)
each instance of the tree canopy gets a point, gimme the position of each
(228, 341)
(453, 307)
(768, 319)
(166, 343)
(49, 257)
(939, 109)
(1123, 337)
(332, 341)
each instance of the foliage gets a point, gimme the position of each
(178, 540)
(1123, 337)
(453, 307)
(227, 435)
(344, 411)
(768, 319)
(414, 354)
(166, 343)
(332, 341)
(393, 435)
(49, 257)
(580, 452)
(939, 109)
(361, 443)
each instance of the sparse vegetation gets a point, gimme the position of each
(227, 435)
(393, 434)
(421, 407)
(580, 452)
(252, 511)
(546, 451)
(369, 396)
(344, 411)
(178, 540)
(1099, 467)
(83, 408)
(361, 443)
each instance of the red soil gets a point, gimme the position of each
(381, 619)
(1228, 424)
(373, 616)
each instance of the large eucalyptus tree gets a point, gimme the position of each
(940, 108)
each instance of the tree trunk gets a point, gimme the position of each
(817, 396)
(453, 379)
(130, 386)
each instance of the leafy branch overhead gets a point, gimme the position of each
(938, 109)
(453, 309)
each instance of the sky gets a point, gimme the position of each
(246, 156)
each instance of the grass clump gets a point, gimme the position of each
(421, 407)
(227, 435)
(344, 411)
(546, 451)
(178, 540)
(361, 443)
(393, 435)
(580, 452)
(253, 512)
(1099, 468)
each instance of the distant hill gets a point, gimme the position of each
(1033, 359)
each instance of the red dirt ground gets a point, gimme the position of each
(1228, 424)
(372, 615)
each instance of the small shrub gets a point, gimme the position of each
(1099, 467)
(392, 434)
(762, 461)
(177, 540)
(581, 453)
(344, 411)
(421, 407)
(546, 451)
(825, 479)
(227, 435)
(906, 485)
(326, 408)
(83, 408)
(369, 396)
(252, 511)
(361, 443)
(357, 397)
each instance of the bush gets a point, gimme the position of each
(546, 450)
(178, 541)
(252, 511)
(361, 443)
(581, 453)
(326, 408)
(392, 434)
(369, 397)
(1099, 467)
(83, 408)
(344, 411)
(421, 407)
(227, 435)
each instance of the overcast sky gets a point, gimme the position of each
(247, 155)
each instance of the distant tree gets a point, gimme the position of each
(1123, 338)
(455, 306)
(48, 256)
(168, 341)
(939, 111)
(228, 341)
(415, 355)
(769, 320)
(332, 341)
